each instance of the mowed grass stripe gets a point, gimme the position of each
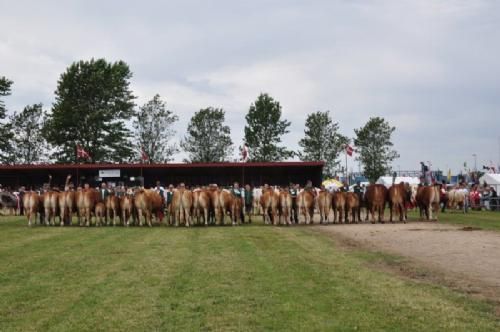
(127, 296)
(217, 278)
(41, 286)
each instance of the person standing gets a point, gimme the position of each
(103, 192)
(248, 197)
(294, 191)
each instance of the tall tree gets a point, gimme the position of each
(264, 130)
(374, 147)
(208, 139)
(322, 141)
(154, 130)
(5, 128)
(28, 144)
(93, 101)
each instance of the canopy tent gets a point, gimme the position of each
(332, 184)
(491, 179)
(387, 180)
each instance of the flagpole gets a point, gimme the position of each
(346, 179)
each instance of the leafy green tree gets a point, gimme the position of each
(154, 130)
(208, 139)
(374, 147)
(28, 144)
(322, 141)
(264, 130)
(5, 128)
(93, 103)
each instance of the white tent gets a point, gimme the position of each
(491, 179)
(387, 180)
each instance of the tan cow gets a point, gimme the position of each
(221, 203)
(352, 206)
(143, 207)
(375, 197)
(182, 202)
(89, 198)
(428, 198)
(79, 205)
(127, 208)
(456, 198)
(338, 202)
(112, 205)
(66, 206)
(50, 204)
(236, 209)
(305, 206)
(100, 213)
(396, 197)
(31, 201)
(269, 200)
(201, 205)
(285, 205)
(324, 205)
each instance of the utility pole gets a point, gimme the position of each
(475, 162)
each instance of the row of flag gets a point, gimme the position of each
(81, 153)
(349, 150)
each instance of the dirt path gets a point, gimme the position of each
(468, 258)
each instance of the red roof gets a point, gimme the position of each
(171, 165)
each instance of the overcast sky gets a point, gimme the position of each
(431, 68)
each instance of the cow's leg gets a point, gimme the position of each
(177, 216)
(47, 216)
(149, 216)
(140, 216)
(205, 214)
(187, 216)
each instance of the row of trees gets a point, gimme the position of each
(94, 108)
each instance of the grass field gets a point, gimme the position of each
(489, 220)
(246, 278)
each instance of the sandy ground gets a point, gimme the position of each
(467, 258)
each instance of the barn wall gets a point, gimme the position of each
(223, 176)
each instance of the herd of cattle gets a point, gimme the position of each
(213, 205)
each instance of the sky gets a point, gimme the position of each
(430, 68)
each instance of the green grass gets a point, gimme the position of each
(489, 220)
(246, 278)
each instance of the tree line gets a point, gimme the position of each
(94, 109)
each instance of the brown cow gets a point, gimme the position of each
(182, 202)
(88, 200)
(338, 202)
(269, 202)
(221, 203)
(112, 204)
(127, 208)
(201, 205)
(66, 206)
(79, 205)
(428, 199)
(324, 205)
(100, 213)
(31, 201)
(285, 205)
(352, 206)
(50, 205)
(236, 209)
(397, 198)
(144, 207)
(375, 197)
(305, 206)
